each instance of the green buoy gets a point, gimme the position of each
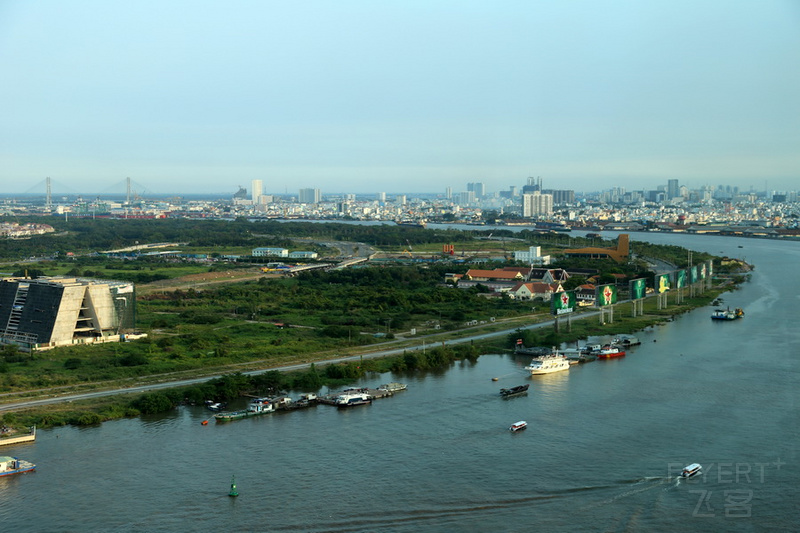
(233, 492)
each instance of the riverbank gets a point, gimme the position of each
(99, 406)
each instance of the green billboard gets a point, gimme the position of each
(638, 288)
(606, 295)
(563, 302)
(693, 276)
(680, 279)
(662, 283)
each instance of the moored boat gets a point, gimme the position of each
(353, 399)
(518, 426)
(535, 351)
(691, 470)
(554, 362)
(257, 407)
(393, 387)
(608, 351)
(519, 389)
(12, 465)
(626, 341)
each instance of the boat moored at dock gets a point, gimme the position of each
(13, 465)
(393, 387)
(257, 407)
(608, 351)
(353, 399)
(547, 364)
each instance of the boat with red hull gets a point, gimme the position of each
(608, 351)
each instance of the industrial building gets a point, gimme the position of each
(47, 312)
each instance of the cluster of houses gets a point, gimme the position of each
(529, 283)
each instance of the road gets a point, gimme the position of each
(288, 368)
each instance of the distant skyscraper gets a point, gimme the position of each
(257, 189)
(537, 204)
(448, 192)
(478, 188)
(309, 196)
(673, 189)
(381, 196)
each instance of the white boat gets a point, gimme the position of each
(691, 470)
(350, 399)
(517, 426)
(554, 362)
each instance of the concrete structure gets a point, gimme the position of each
(270, 252)
(309, 196)
(257, 189)
(537, 204)
(533, 256)
(48, 312)
(619, 254)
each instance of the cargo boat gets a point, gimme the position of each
(12, 465)
(519, 389)
(258, 407)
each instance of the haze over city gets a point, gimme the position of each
(361, 97)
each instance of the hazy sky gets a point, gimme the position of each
(398, 96)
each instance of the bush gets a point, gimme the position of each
(72, 363)
(87, 419)
(134, 359)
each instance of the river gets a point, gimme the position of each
(602, 452)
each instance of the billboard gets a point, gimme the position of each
(638, 288)
(693, 275)
(663, 283)
(563, 302)
(702, 268)
(680, 279)
(710, 267)
(606, 295)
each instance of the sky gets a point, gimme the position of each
(359, 96)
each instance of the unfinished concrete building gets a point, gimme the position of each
(47, 312)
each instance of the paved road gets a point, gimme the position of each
(300, 366)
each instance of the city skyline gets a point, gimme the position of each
(401, 97)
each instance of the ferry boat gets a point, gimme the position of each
(727, 314)
(353, 399)
(519, 389)
(518, 426)
(554, 362)
(608, 351)
(691, 470)
(258, 407)
(12, 465)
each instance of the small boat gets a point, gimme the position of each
(518, 426)
(215, 406)
(727, 314)
(608, 351)
(351, 400)
(258, 407)
(393, 387)
(626, 341)
(12, 465)
(691, 470)
(519, 389)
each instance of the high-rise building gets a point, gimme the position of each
(381, 197)
(537, 204)
(257, 189)
(478, 188)
(673, 189)
(448, 192)
(309, 196)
